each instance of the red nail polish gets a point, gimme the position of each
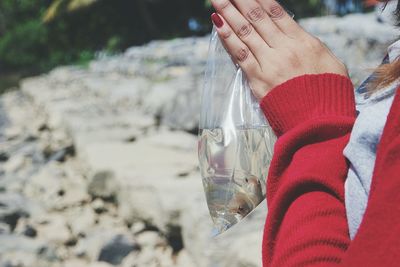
(216, 19)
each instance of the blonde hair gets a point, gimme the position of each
(385, 75)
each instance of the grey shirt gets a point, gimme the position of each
(361, 149)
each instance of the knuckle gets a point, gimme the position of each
(315, 44)
(242, 54)
(256, 14)
(245, 30)
(276, 11)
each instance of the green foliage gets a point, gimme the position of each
(84, 57)
(113, 44)
(25, 46)
(38, 35)
(303, 8)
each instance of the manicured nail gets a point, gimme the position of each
(216, 19)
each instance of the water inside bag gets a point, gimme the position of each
(234, 172)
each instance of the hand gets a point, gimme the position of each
(269, 45)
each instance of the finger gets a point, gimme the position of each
(263, 24)
(242, 28)
(282, 19)
(238, 50)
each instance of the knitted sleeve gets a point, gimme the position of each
(306, 225)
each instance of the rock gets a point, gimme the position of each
(22, 224)
(151, 257)
(183, 111)
(75, 263)
(11, 133)
(117, 249)
(246, 251)
(111, 221)
(62, 154)
(100, 264)
(82, 263)
(174, 140)
(18, 258)
(12, 243)
(103, 185)
(98, 206)
(150, 239)
(158, 97)
(47, 186)
(174, 237)
(4, 156)
(48, 253)
(54, 229)
(129, 91)
(12, 208)
(81, 220)
(183, 259)
(95, 238)
(29, 231)
(138, 227)
(176, 108)
(143, 204)
(15, 163)
(4, 228)
(74, 193)
(89, 247)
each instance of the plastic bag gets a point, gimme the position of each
(235, 141)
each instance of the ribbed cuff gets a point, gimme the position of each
(307, 97)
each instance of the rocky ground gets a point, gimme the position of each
(98, 165)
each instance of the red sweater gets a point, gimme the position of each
(306, 224)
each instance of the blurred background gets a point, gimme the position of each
(99, 107)
(39, 35)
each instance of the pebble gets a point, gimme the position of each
(103, 185)
(117, 249)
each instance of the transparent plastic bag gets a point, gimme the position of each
(235, 141)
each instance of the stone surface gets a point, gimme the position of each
(12, 208)
(81, 220)
(82, 263)
(103, 185)
(117, 249)
(149, 238)
(89, 246)
(55, 229)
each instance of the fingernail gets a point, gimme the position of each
(216, 19)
